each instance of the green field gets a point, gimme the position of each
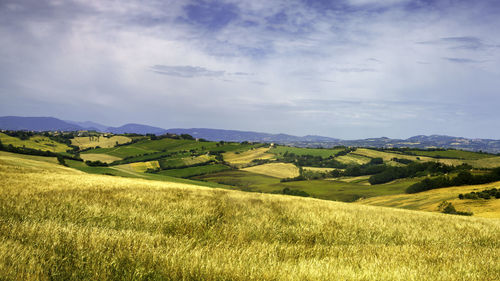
(241, 180)
(451, 153)
(339, 190)
(170, 163)
(194, 171)
(429, 200)
(38, 142)
(128, 173)
(57, 223)
(325, 153)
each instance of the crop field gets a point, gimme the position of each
(242, 159)
(58, 223)
(29, 157)
(140, 167)
(127, 172)
(325, 153)
(429, 200)
(351, 158)
(242, 180)
(387, 156)
(101, 141)
(342, 191)
(451, 153)
(194, 171)
(319, 170)
(105, 158)
(170, 163)
(277, 170)
(35, 142)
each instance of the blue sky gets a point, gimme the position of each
(346, 69)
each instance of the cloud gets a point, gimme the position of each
(186, 71)
(463, 42)
(462, 60)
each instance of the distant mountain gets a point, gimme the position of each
(36, 124)
(89, 125)
(137, 129)
(420, 141)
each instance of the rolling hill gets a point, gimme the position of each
(59, 223)
(421, 142)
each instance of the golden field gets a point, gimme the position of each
(242, 159)
(429, 200)
(60, 224)
(101, 141)
(277, 170)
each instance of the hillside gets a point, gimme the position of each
(58, 223)
(430, 200)
(420, 141)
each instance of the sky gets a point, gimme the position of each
(347, 69)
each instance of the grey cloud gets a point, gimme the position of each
(461, 42)
(186, 71)
(462, 60)
(355, 69)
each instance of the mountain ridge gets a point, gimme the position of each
(418, 141)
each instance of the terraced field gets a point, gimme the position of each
(429, 200)
(277, 170)
(101, 141)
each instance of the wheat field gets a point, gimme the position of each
(277, 170)
(60, 224)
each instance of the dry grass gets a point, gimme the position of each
(245, 158)
(99, 156)
(139, 167)
(60, 224)
(277, 170)
(429, 200)
(35, 142)
(353, 159)
(101, 141)
(320, 170)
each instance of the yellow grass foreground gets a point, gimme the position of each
(277, 170)
(429, 200)
(60, 224)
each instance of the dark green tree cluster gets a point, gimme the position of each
(97, 163)
(447, 208)
(294, 192)
(37, 152)
(311, 161)
(413, 169)
(23, 135)
(485, 194)
(463, 178)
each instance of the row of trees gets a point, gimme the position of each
(485, 194)
(463, 178)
